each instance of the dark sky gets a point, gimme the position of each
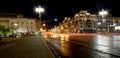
(58, 8)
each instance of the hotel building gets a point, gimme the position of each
(84, 22)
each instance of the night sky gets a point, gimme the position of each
(58, 8)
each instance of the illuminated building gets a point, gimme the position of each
(4, 18)
(84, 22)
(17, 23)
(22, 25)
(4, 22)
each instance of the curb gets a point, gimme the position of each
(56, 55)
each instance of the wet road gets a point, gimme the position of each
(98, 46)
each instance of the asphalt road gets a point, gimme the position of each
(98, 46)
(31, 47)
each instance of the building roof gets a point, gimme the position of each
(11, 15)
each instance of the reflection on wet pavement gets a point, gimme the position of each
(88, 46)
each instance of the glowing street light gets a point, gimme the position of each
(39, 10)
(103, 13)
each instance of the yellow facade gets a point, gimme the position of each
(20, 24)
(4, 22)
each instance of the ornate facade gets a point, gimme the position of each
(84, 22)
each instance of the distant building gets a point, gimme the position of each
(4, 22)
(23, 25)
(84, 22)
(17, 23)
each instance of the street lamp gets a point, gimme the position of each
(103, 13)
(39, 10)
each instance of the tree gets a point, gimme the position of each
(5, 31)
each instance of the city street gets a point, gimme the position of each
(29, 47)
(59, 29)
(87, 46)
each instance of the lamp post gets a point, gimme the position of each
(40, 10)
(103, 13)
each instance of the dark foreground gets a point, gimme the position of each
(66, 46)
(31, 47)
